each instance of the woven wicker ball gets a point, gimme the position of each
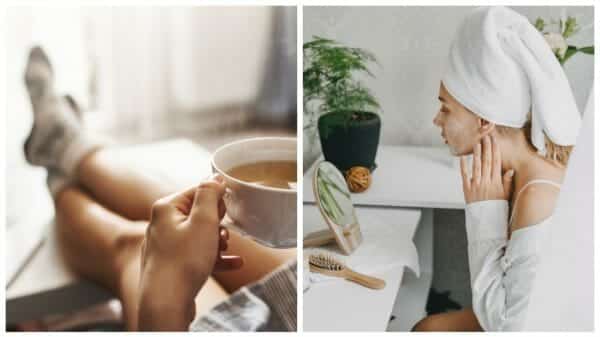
(358, 178)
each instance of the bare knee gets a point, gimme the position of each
(63, 198)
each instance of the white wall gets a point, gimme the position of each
(412, 45)
(174, 63)
(563, 295)
(156, 67)
(59, 31)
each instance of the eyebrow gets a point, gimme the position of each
(441, 99)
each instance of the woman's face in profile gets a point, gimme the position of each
(460, 127)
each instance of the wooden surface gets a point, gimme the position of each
(424, 177)
(339, 305)
(47, 285)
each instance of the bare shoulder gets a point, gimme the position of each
(536, 203)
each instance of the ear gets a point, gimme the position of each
(485, 127)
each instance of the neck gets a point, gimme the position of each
(517, 154)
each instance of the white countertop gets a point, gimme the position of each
(408, 176)
(387, 248)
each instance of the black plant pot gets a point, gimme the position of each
(350, 143)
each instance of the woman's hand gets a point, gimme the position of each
(181, 249)
(486, 181)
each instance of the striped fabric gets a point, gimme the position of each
(267, 305)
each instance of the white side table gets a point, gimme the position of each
(425, 178)
(408, 176)
(387, 248)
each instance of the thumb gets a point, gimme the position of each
(205, 209)
(507, 183)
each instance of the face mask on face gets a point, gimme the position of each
(456, 136)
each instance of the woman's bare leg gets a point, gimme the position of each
(120, 188)
(132, 193)
(105, 248)
(462, 320)
(258, 261)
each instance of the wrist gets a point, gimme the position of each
(166, 299)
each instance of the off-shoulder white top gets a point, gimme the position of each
(502, 270)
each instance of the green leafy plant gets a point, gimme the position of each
(330, 84)
(557, 37)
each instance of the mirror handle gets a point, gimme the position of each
(319, 238)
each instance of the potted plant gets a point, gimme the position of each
(345, 111)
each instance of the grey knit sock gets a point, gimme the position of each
(56, 139)
(57, 181)
(39, 76)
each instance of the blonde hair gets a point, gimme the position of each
(557, 153)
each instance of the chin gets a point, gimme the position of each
(453, 151)
(457, 152)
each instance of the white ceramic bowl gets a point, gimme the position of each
(267, 214)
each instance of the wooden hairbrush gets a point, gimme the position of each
(328, 265)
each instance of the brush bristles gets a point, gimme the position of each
(325, 262)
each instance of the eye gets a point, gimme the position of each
(444, 108)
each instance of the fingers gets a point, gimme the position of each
(486, 166)
(496, 159)
(464, 172)
(223, 237)
(224, 233)
(217, 177)
(476, 173)
(176, 204)
(487, 181)
(228, 262)
(205, 209)
(507, 183)
(223, 244)
(222, 209)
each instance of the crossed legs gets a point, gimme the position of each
(101, 223)
(103, 214)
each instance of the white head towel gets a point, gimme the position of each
(501, 68)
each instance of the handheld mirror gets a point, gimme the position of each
(333, 200)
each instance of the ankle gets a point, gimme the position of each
(86, 162)
(78, 153)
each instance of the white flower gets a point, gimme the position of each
(557, 43)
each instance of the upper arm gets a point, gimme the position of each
(535, 204)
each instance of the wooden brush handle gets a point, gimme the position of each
(365, 280)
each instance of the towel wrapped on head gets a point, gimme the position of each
(502, 69)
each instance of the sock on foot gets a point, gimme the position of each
(39, 76)
(57, 181)
(57, 139)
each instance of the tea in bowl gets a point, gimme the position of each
(260, 177)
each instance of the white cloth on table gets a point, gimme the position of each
(372, 256)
